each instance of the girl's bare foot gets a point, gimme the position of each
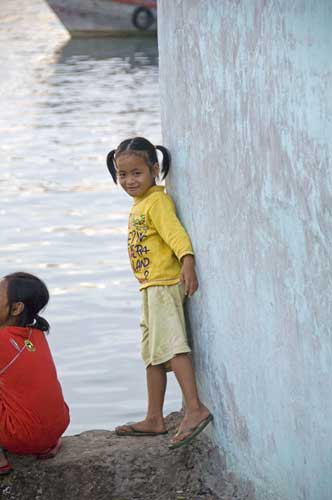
(5, 467)
(190, 424)
(3, 459)
(149, 426)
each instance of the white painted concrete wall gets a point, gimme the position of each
(246, 93)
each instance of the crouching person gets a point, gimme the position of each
(33, 413)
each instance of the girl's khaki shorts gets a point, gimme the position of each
(163, 324)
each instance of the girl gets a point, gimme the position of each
(33, 414)
(162, 260)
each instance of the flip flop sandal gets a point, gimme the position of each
(135, 432)
(6, 469)
(193, 433)
(51, 452)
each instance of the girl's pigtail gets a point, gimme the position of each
(166, 161)
(41, 324)
(111, 165)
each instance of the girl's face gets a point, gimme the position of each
(4, 308)
(134, 174)
(8, 317)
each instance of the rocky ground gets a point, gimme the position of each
(98, 465)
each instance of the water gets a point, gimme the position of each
(64, 104)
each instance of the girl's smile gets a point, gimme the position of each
(134, 174)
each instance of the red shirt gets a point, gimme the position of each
(33, 413)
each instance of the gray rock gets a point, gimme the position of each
(98, 465)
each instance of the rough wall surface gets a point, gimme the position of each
(246, 94)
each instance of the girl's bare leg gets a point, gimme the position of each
(156, 383)
(195, 411)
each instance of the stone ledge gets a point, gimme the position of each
(98, 465)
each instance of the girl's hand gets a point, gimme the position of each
(188, 275)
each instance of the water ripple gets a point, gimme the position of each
(64, 104)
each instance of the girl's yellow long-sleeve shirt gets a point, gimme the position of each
(157, 241)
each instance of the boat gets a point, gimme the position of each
(106, 17)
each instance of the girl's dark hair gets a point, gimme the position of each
(141, 147)
(26, 288)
